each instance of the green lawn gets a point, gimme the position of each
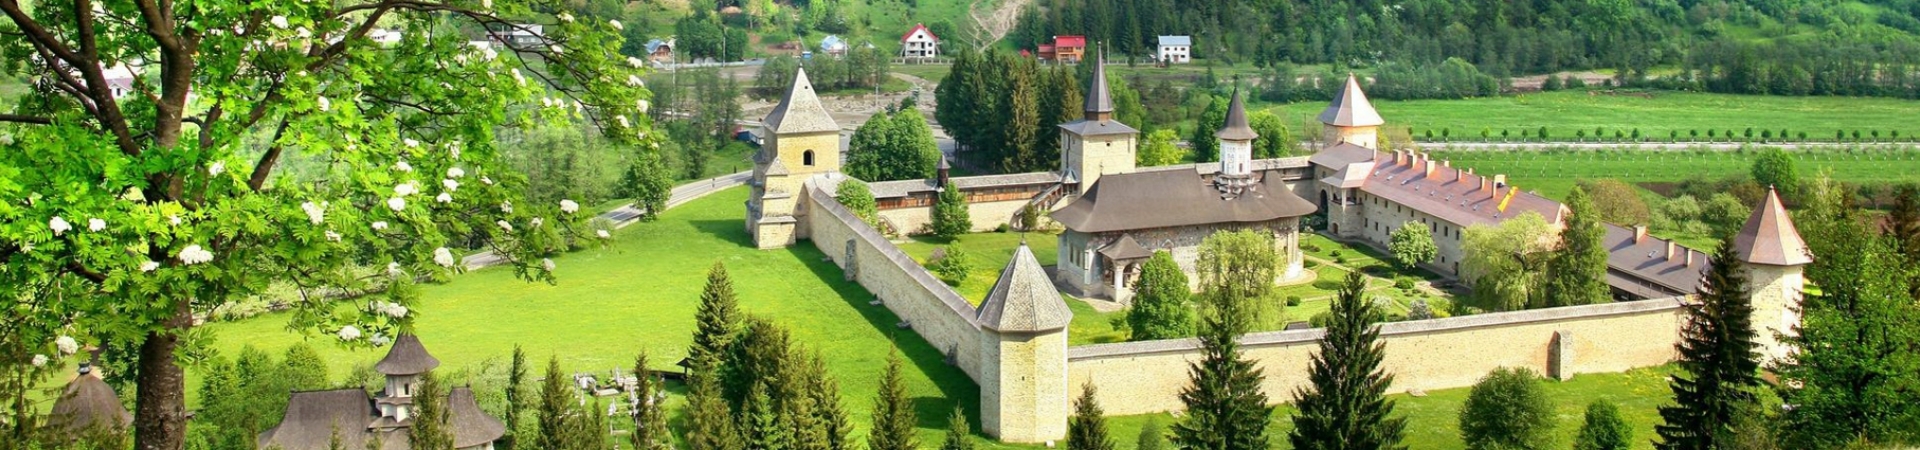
(1433, 420)
(988, 252)
(641, 294)
(1563, 112)
(1553, 173)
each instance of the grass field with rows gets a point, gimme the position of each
(1553, 173)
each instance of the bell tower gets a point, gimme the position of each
(1774, 256)
(1236, 151)
(802, 141)
(1351, 118)
(1096, 144)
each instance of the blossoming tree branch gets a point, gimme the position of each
(268, 142)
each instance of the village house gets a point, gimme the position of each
(1174, 50)
(1065, 49)
(314, 417)
(660, 51)
(919, 44)
(833, 46)
(519, 36)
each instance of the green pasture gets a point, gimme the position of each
(1553, 173)
(1564, 112)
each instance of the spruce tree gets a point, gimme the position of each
(1719, 364)
(1604, 430)
(431, 428)
(556, 399)
(304, 369)
(516, 398)
(893, 414)
(1087, 429)
(717, 319)
(959, 433)
(1160, 309)
(1347, 408)
(1022, 115)
(650, 430)
(825, 395)
(1152, 435)
(950, 216)
(710, 424)
(1225, 408)
(757, 355)
(760, 422)
(807, 430)
(1578, 271)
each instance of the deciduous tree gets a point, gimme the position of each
(1603, 429)
(1237, 269)
(649, 183)
(1507, 409)
(1504, 261)
(1776, 168)
(1577, 272)
(1412, 245)
(1159, 149)
(1160, 309)
(858, 198)
(1346, 406)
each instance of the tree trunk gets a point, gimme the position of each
(159, 420)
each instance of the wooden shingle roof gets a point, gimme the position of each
(1350, 108)
(1024, 299)
(800, 111)
(407, 357)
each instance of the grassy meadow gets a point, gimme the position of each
(1563, 112)
(1554, 173)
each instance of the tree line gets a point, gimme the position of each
(1008, 108)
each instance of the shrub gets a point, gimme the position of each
(1603, 430)
(1326, 285)
(1418, 310)
(952, 265)
(1507, 409)
(1293, 300)
(1320, 320)
(1000, 229)
(1336, 254)
(1403, 283)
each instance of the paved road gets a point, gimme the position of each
(628, 214)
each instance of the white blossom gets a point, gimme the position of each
(39, 360)
(173, 219)
(402, 166)
(96, 225)
(324, 104)
(280, 21)
(303, 33)
(149, 266)
(568, 206)
(444, 198)
(397, 204)
(405, 189)
(396, 311)
(489, 53)
(537, 221)
(454, 150)
(316, 213)
(603, 234)
(67, 345)
(517, 78)
(486, 4)
(485, 180)
(643, 105)
(506, 207)
(634, 80)
(410, 142)
(217, 167)
(349, 332)
(546, 263)
(455, 172)
(635, 62)
(193, 254)
(555, 48)
(443, 257)
(379, 340)
(393, 269)
(380, 226)
(504, 225)
(59, 225)
(333, 236)
(616, 25)
(564, 17)
(622, 120)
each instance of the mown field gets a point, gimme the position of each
(1553, 173)
(1564, 112)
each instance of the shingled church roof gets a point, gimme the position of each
(1769, 237)
(800, 111)
(1099, 99)
(87, 404)
(1236, 128)
(471, 426)
(407, 357)
(1126, 249)
(1350, 108)
(1173, 197)
(1024, 300)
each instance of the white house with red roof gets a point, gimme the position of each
(919, 44)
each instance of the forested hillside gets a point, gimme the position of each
(1748, 46)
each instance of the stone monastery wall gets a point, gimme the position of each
(1146, 377)
(933, 310)
(986, 216)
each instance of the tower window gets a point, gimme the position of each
(807, 158)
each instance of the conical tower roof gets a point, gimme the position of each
(407, 357)
(1024, 300)
(800, 111)
(1236, 128)
(1099, 98)
(1350, 108)
(1769, 237)
(88, 403)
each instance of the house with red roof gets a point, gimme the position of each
(1068, 49)
(919, 44)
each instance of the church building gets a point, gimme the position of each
(314, 419)
(1123, 214)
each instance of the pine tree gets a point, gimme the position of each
(717, 320)
(959, 433)
(1578, 271)
(1021, 115)
(825, 395)
(516, 398)
(1160, 309)
(1719, 363)
(431, 429)
(586, 428)
(893, 415)
(556, 399)
(1087, 429)
(950, 216)
(304, 369)
(710, 424)
(650, 430)
(1225, 408)
(807, 429)
(1604, 430)
(758, 356)
(760, 421)
(1347, 406)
